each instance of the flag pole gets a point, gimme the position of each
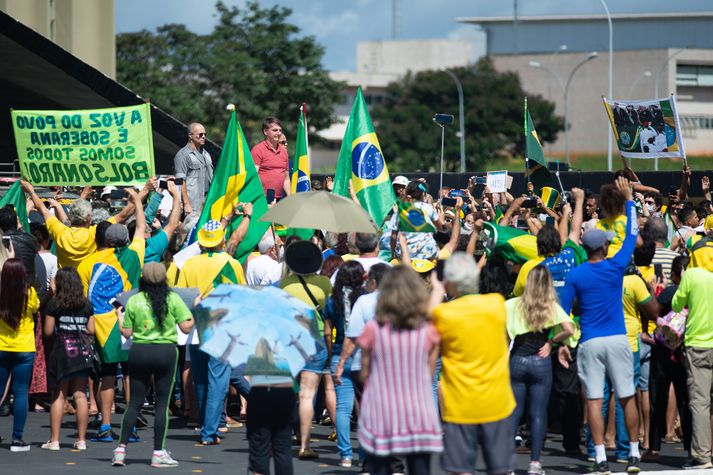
(303, 108)
(527, 159)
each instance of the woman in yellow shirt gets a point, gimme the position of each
(18, 306)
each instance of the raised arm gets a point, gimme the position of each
(685, 182)
(246, 209)
(575, 230)
(39, 205)
(455, 228)
(622, 258)
(140, 217)
(174, 219)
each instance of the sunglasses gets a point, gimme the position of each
(199, 135)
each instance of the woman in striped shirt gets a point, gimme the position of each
(399, 351)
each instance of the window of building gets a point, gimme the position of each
(692, 75)
(697, 122)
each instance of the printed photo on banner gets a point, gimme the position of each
(85, 147)
(646, 129)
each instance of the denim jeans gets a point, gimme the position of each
(345, 405)
(19, 366)
(531, 379)
(211, 377)
(622, 434)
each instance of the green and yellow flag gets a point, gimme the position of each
(413, 220)
(361, 161)
(15, 197)
(535, 164)
(235, 181)
(513, 244)
(301, 179)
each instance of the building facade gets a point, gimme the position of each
(85, 28)
(668, 53)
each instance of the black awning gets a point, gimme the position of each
(36, 73)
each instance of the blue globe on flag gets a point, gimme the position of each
(416, 218)
(367, 161)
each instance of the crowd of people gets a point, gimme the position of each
(435, 342)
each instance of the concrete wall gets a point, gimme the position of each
(398, 57)
(85, 28)
(588, 121)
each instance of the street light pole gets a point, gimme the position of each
(646, 74)
(656, 88)
(461, 119)
(611, 79)
(565, 89)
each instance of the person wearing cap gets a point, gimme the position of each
(304, 260)
(210, 375)
(105, 273)
(604, 349)
(399, 184)
(75, 242)
(150, 319)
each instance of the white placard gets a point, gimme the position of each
(497, 181)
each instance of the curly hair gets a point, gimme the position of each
(69, 291)
(539, 300)
(157, 295)
(348, 286)
(403, 299)
(13, 292)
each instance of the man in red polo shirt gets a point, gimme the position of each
(271, 159)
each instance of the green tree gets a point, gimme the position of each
(493, 108)
(253, 58)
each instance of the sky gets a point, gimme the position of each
(340, 24)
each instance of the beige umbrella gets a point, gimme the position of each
(320, 210)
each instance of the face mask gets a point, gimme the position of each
(650, 207)
(468, 226)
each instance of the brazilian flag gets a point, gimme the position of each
(413, 219)
(15, 197)
(513, 244)
(301, 179)
(235, 181)
(361, 161)
(535, 165)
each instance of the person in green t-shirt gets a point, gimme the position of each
(150, 318)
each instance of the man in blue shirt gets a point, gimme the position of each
(604, 350)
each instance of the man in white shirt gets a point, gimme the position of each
(265, 268)
(368, 246)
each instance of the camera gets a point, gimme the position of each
(443, 119)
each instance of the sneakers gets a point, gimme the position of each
(80, 445)
(346, 463)
(118, 459)
(141, 421)
(535, 468)
(163, 459)
(19, 445)
(692, 464)
(632, 465)
(50, 445)
(600, 468)
(134, 436)
(105, 435)
(332, 437)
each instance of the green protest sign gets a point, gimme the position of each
(85, 147)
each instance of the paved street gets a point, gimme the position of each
(231, 456)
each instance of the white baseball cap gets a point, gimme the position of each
(400, 180)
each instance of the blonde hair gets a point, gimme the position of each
(403, 299)
(539, 300)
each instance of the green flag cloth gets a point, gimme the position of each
(235, 181)
(16, 197)
(413, 220)
(535, 165)
(226, 276)
(361, 161)
(513, 244)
